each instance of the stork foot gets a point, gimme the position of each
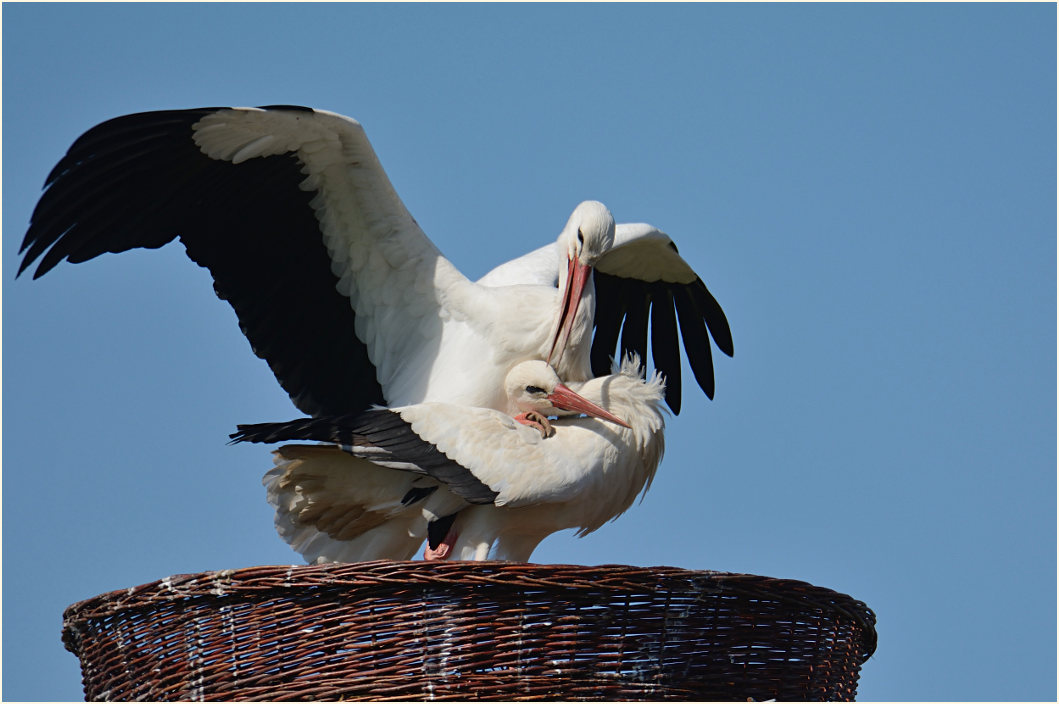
(444, 548)
(538, 421)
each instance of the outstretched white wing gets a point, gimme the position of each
(334, 283)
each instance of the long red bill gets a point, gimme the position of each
(566, 399)
(576, 278)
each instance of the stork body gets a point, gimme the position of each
(495, 487)
(334, 283)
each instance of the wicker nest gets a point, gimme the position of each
(463, 630)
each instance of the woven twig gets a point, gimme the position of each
(460, 630)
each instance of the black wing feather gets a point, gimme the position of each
(696, 343)
(610, 311)
(139, 181)
(665, 347)
(377, 428)
(634, 331)
(621, 307)
(715, 319)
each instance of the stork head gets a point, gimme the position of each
(534, 386)
(588, 234)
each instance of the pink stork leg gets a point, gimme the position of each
(444, 548)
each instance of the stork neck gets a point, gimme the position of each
(575, 364)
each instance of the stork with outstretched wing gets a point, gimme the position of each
(334, 283)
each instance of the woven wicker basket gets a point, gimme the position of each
(460, 630)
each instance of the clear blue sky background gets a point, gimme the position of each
(869, 190)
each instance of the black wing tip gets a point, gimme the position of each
(716, 320)
(703, 372)
(28, 252)
(253, 432)
(40, 271)
(724, 344)
(674, 405)
(332, 428)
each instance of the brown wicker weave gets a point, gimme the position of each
(463, 630)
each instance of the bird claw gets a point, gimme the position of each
(439, 553)
(444, 548)
(538, 421)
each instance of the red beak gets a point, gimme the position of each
(566, 399)
(576, 278)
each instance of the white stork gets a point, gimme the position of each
(333, 282)
(472, 481)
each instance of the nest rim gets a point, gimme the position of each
(607, 577)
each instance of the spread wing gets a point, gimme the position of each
(333, 282)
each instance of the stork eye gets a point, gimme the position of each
(535, 390)
(580, 237)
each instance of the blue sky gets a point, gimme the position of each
(869, 191)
